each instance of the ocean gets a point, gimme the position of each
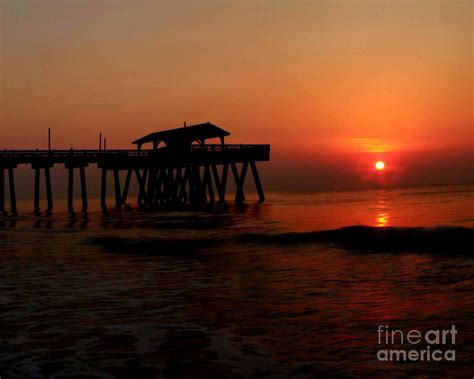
(295, 287)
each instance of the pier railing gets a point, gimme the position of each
(234, 147)
(59, 156)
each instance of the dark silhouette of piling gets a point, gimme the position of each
(37, 190)
(11, 182)
(2, 191)
(49, 191)
(82, 173)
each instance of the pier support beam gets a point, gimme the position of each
(37, 190)
(192, 185)
(157, 196)
(239, 181)
(103, 188)
(70, 190)
(141, 179)
(118, 195)
(196, 193)
(82, 174)
(71, 166)
(49, 191)
(258, 184)
(37, 167)
(160, 186)
(207, 184)
(127, 186)
(177, 184)
(222, 182)
(11, 182)
(2, 190)
(174, 184)
(183, 194)
(169, 185)
(152, 178)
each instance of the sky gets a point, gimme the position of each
(333, 86)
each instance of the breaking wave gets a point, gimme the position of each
(440, 240)
(444, 240)
(151, 246)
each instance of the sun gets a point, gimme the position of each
(379, 165)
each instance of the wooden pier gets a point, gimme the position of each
(182, 172)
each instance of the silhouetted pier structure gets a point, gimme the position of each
(185, 170)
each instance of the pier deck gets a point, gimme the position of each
(144, 158)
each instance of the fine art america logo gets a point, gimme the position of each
(416, 346)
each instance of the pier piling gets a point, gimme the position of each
(37, 190)
(49, 191)
(82, 175)
(70, 189)
(2, 190)
(11, 182)
(126, 186)
(258, 184)
(118, 195)
(142, 180)
(239, 181)
(103, 188)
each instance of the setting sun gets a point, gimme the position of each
(379, 165)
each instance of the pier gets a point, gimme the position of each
(179, 168)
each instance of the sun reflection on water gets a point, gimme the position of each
(382, 215)
(382, 219)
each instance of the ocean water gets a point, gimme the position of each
(296, 286)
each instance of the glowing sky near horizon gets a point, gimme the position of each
(315, 78)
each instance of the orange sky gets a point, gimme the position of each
(331, 85)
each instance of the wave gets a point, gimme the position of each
(151, 246)
(440, 240)
(440, 192)
(443, 240)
